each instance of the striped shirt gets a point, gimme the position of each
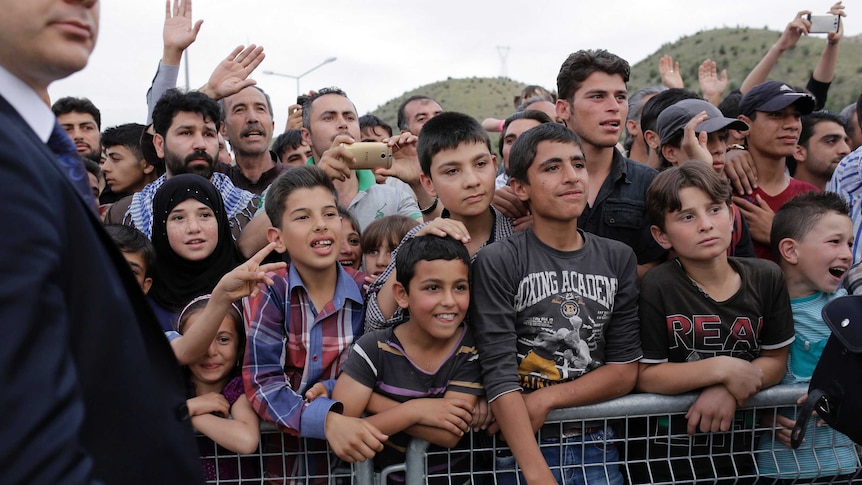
(374, 317)
(847, 182)
(292, 346)
(378, 361)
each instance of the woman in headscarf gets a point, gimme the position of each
(193, 243)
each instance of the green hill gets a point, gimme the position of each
(479, 97)
(739, 49)
(736, 49)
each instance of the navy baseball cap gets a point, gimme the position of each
(676, 116)
(772, 96)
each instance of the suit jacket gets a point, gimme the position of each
(90, 391)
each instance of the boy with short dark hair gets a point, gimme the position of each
(301, 327)
(125, 168)
(459, 169)
(812, 239)
(426, 368)
(555, 315)
(137, 250)
(710, 323)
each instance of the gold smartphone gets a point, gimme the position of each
(370, 155)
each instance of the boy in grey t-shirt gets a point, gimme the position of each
(556, 317)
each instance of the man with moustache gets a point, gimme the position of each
(92, 393)
(248, 126)
(186, 126)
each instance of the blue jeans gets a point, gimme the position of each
(575, 460)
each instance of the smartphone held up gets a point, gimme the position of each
(370, 155)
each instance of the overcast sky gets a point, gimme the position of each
(385, 47)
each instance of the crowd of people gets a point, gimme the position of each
(458, 291)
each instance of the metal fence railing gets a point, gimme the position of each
(647, 430)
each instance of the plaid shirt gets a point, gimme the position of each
(291, 348)
(374, 317)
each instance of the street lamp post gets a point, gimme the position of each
(273, 73)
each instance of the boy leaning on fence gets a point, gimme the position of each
(421, 377)
(301, 327)
(812, 239)
(555, 317)
(710, 323)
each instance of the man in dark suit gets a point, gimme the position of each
(89, 389)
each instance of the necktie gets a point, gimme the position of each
(70, 161)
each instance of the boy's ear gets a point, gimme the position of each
(400, 294)
(800, 153)
(651, 138)
(148, 283)
(273, 234)
(159, 144)
(660, 237)
(148, 169)
(496, 165)
(669, 152)
(520, 189)
(788, 251)
(427, 184)
(564, 111)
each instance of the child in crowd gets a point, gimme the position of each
(459, 169)
(350, 254)
(193, 242)
(694, 130)
(812, 239)
(380, 238)
(426, 370)
(301, 327)
(210, 341)
(555, 315)
(137, 250)
(710, 323)
(218, 407)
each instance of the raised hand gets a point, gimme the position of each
(712, 85)
(243, 280)
(231, 74)
(669, 71)
(178, 33)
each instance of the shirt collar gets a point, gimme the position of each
(28, 104)
(618, 167)
(345, 286)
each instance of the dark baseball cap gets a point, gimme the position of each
(676, 116)
(772, 96)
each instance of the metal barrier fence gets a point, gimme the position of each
(639, 438)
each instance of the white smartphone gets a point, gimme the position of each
(823, 24)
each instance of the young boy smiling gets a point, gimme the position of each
(301, 327)
(426, 368)
(812, 239)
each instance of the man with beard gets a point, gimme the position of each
(186, 126)
(248, 126)
(82, 121)
(822, 145)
